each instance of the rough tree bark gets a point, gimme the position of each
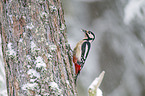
(36, 53)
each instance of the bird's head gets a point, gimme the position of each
(90, 36)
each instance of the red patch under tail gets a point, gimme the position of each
(77, 66)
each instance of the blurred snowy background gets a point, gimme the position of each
(119, 47)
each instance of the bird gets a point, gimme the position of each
(81, 51)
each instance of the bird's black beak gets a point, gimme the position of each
(85, 31)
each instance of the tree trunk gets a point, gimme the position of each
(36, 53)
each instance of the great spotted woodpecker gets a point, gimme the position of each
(81, 51)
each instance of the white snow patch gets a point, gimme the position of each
(53, 85)
(67, 82)
(28, 66)
(38, 95)
(53, 8)
(12, 53)
(10, 50)
(39, 62)
(33, 46)
(30, 26)
(44, 14)
(52, 47)
(9, 45)
(21, 40)
(33, 80)
(28, 57)
(46, 94)
(29, 86)
(33, 72)
(11, 18)
(49, 56)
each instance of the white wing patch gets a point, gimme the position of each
(86, 50)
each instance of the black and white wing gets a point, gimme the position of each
(85, 50)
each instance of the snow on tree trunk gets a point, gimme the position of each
(36, 53)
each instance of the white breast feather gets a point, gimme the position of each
(78, 54)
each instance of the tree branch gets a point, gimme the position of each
(94, 87)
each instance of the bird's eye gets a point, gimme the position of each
(89, 32)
